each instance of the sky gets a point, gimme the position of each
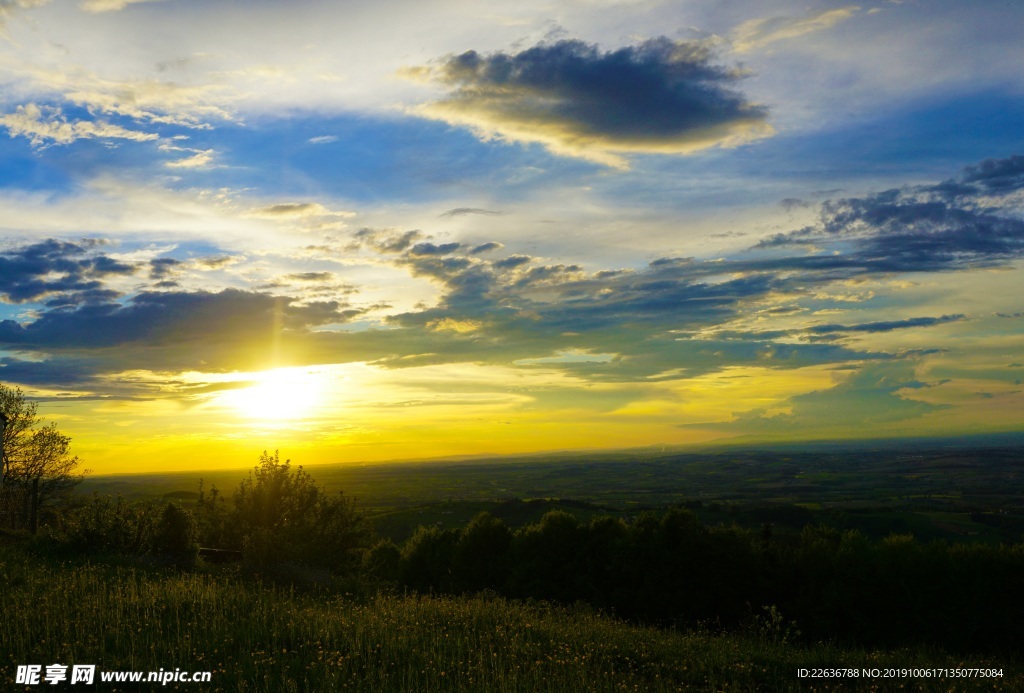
(371, 231)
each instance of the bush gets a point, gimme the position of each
(482, 555)
(383, 561)
(427, 559)
(176, 537)
(108, 525)
(282, 516)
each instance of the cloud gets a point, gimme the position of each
(997, 174)
(834, 331)
(660, 96)
(886, 325)
(434, 249)
(299, 210)
(387, 240)
(512, 261)
(209, 264)
(168, 318)
(791, 203)
(674, 318)
(757, 33)
(59, 372)
(109, 5)
(323, 139)
(163, 267)
(42, 270)
(869, 397)
(143, 100)
(9, 7)
(462, 211)
(310, 276)
(43, 126)
(919, 228)
(201, 158)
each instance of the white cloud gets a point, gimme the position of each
(8, 7)
(152, 100)
(757, 33)
(52, 127)
(109, 5)
(200, 158)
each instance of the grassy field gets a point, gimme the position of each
(256, 635)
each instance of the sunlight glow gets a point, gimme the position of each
(279, 394)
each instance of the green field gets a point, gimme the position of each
(254, 635)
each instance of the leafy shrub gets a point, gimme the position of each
(176, 537)
(281, 516)
(427, 559)
(383, 561)
(107, 525)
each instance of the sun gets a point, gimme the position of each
(279, 394)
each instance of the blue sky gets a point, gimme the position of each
(459, 228)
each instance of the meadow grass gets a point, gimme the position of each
(258, 636)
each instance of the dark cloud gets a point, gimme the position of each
(172, 318)
(823, 333)
(163, 267)
(462, 211)
(310, 276)
(290, 209)
(486, 247)
(791, 203)
(887, 325)
(215, 263)
(79, 297)
(660, 96)
(434, 249)
(922, 228)
(387, 240)
(32, 272)
(59, 372)
(997, 174)
(512, 261)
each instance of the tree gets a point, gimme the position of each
(482, 555)
(282, 516)
(37, 469)
(177, 537)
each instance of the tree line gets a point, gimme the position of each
(671, 570)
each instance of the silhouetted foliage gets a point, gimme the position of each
(176, 536)
(673, 570)
(482, 554)
(546, 558)
(104, 524)
(213, 521)
(427, 559)
(383, 561)
(280, 515)
(37, 469)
